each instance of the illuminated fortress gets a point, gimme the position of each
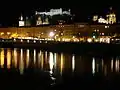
(43, 18)
(54, 12)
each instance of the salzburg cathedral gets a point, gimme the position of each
(110, 18)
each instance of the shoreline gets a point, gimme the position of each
(82, 48)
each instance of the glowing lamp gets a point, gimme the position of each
(89, 40)
(51, 34)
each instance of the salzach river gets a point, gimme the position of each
(34, 69)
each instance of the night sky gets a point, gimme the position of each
(10, 13)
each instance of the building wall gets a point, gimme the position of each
(83, 29)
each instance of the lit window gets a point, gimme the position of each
(106, 26)
(61, 33)
(102, 33)
(97, 30)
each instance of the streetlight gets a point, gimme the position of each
(2, 33)
(8, 33)
(51, 34)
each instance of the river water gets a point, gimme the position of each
(35, 69)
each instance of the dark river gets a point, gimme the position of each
(33, 69)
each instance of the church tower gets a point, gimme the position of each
(111, 17)
(21, 21)
(39, 21)
(46, 21)
(27, 21)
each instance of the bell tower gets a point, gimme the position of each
(111, 17)
(39, 21)
(21, 21)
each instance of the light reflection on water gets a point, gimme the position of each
(21, 62)
(15, 57)
(56, 63)
(51, 63)
(61, 64)
(73, 62)
(8, 58)
(27, 58)
(93, 65)
(34, 56)
(2, 58)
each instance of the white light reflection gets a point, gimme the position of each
(8, 58)
(28, 57)
(45, 56)
(41, 59)
(112, 65)
(34, 56)
(93, 65)
(15, 57)
(2, 58)
(61, 70)
(51, 63)
(102, 64)
(39, 55)
(117, 65)
(55, 61)
(21, 66)
(73, 62)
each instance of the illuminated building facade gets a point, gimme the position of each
(102, 20)
(95, 17)
(75, 32)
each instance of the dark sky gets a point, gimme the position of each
(11, 11)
